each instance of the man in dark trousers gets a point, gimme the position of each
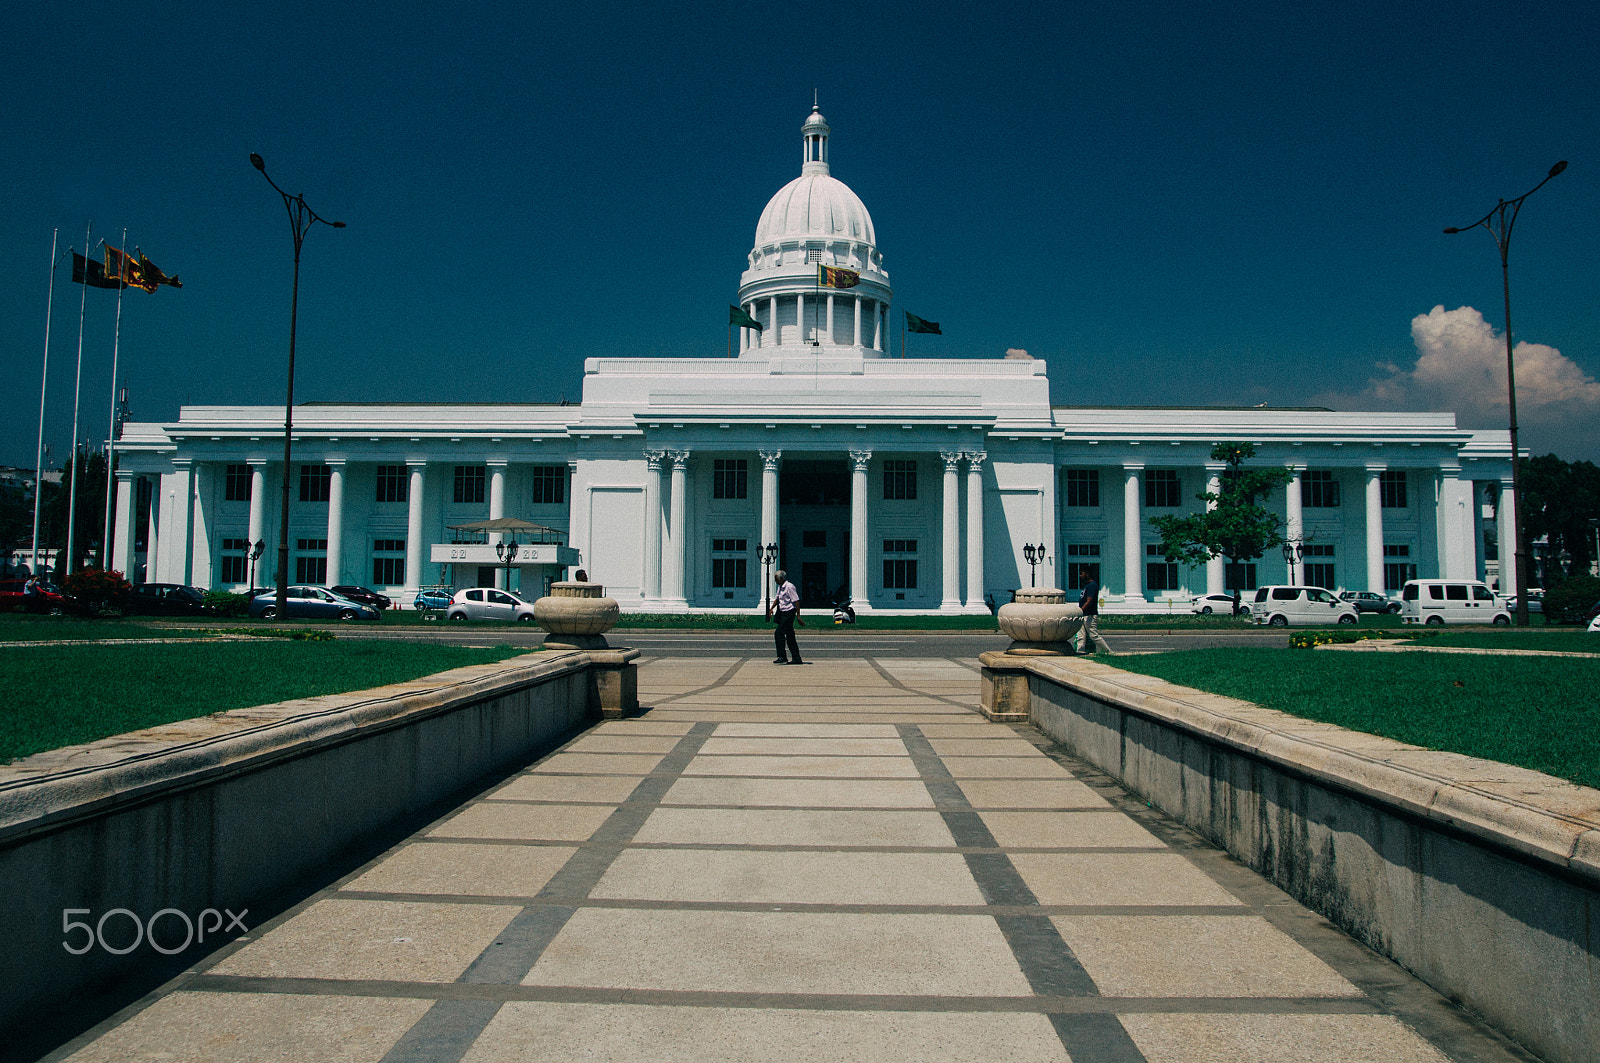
(785, 609)
(1089, 605)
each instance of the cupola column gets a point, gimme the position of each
(857, 340)
(975, 592)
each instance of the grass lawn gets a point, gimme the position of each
(64, 695)
(1537, 712)
(1561, 639)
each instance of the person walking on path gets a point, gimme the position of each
(1089, 605)
(786, 608)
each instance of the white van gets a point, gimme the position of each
(1451, 601)
(1284, 605)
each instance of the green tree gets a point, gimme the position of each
(1559, 500)
(1236, 526)
(91, 509)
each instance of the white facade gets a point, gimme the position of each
(909, 484)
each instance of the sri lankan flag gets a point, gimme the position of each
(830, 277)
(137, 272)
(153, 275)
(88, 271)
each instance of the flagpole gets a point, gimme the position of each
(44, 381)
(77, 391)
(111, 426)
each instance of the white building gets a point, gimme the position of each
(912, 484)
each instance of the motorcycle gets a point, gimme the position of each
(842, 612)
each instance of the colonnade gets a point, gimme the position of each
(751, 339)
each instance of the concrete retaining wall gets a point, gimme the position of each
(1483, 879)
(221, 812)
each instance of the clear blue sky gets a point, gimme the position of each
(1173, 204)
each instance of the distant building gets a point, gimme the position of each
(907, 483)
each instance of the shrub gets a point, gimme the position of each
(1568, 601)
(97, 590)
(226, 603)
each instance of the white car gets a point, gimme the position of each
(1217, 603)
(488, 603)
(1280, 606)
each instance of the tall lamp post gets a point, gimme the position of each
(768, 555)
(507, 553)
(301, 219)
(1293, 554)
(1498, 225)
(1034, 553)
(255, 555)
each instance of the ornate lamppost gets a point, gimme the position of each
(1034, 553)
(1293, 553)
(255, 555)
(768, 556)
(507, 553)
(1498, 225)
(301, 218)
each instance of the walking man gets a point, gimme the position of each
(1089, 605)
(786, 608)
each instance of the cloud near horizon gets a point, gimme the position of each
(1461, 366)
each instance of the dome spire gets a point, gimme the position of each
(814, 135)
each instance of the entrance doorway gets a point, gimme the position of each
(814, 515)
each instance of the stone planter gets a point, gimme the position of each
(1041, 622)
(576, 615)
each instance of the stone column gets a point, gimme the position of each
(857, 302)
(1216, 568)
(152, 535)
(830, 319)
(800, 318)
(418, 469)
(1451, 515)
(1375, 528)
(777, 333)
(770, 460)
(975, 573)
(652, 524)
(877, 326)
(497, 509)
(1294, 506)
(178, 565)
(336, 521)
(1132, 532)
(858, 528)
(677, 555)
(1505, 521)
(121, 558)
(950, 533)
(258, 516)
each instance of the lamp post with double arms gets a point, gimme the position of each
(301, 219)
(1293, 554)
(507, 553)
(768, 555)
(1499, 225)
(255, 555)
(1034, 553)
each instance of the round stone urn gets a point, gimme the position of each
(1041, 622)
(576, 615)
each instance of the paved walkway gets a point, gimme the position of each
(837, 862)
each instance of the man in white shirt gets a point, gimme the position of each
(785, 609)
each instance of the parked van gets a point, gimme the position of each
(1284, 605)
(1451, 601)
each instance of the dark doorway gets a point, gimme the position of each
(814, 515)
(815, 590)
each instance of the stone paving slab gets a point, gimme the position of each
(864, 870)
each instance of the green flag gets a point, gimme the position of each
(916, 324)
(743, 320)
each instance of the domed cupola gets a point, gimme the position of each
(816, 277)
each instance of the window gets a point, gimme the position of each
(469, 483)
(1491, 546)
(311, 560)
(1397, 567)
(729, 569)
(730, 478)
(1319, 573)
(816, 539)
(314, 481)
(900, 480)
(388, 562)
(1161, 488)
(1456, 592)
(1481, 593)
(1239, 577)
(393, 484)
(1319, 490)
(1160, 574)
(1081, 556)
(234, 551)
(1083, 487)
(236, 485)
(549, 485)
(899, 572)
(1392, 488)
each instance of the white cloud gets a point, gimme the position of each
(1018, 354)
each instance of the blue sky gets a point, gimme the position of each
(1223, 204)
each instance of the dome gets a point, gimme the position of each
(814, 205)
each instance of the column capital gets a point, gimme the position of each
(1297, 467)
(975, 460)
(335, 463)
(952, 458)
(652, 459)
(1450, 471)
(416, 463)
(770, 459)
(182, 463)
(1133, 466)
(1377, 466)
(680, 459)
(256, 463)
(497, 463)
(125, 475)
(860, 458)
(1215, 467)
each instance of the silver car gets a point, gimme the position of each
(487, 603)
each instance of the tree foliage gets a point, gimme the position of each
(1559, 498)
(1237, 527)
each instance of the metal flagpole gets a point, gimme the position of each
(77, 389)
(44, 380)
(111, 427)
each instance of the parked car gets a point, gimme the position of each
(1592, 615)
(1535, 603)
(1282, 605)
(1370, 602)
(1217, 603)
(380, 602)
(1447, 601)
(311, 603)
(165, 599)
(487, 603)
(50, 599)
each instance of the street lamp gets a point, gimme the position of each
(255, 555)
(507, 552)
(301, 218)
(1293, 553)
(1034, 553)
(1594, 522)
(1499, 226)
(768, 556)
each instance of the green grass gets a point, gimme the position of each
(1564, 640)
(1541, 712)
(64, 695)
